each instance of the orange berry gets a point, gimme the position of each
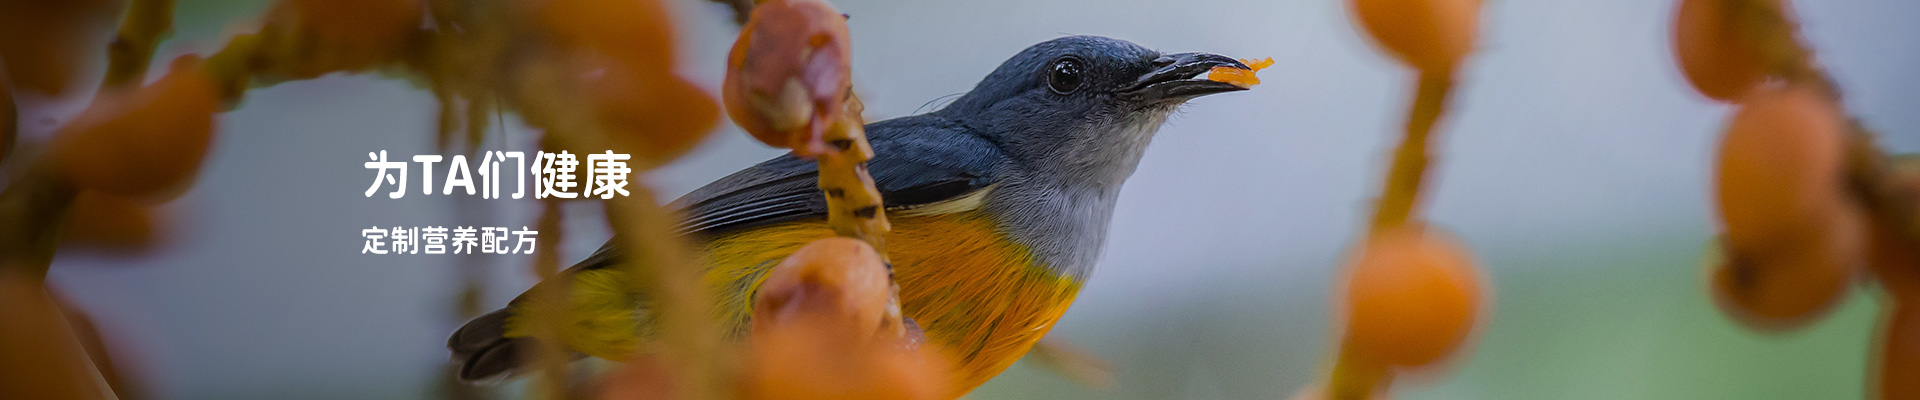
(1899, 345)
(146, 142)
(841, 280)
(1431, 35)
(1411, 297)
(1717, 56)
(636, 32)
(42, 43)
(664, 114)
(1245, 78)
(1787, 287)
(816, 321)
(109, 223)
(1781, 178)
(815, 359)
(789, 74)
(642, 378)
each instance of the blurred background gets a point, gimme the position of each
(1575, 161)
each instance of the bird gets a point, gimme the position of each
(1000, 204)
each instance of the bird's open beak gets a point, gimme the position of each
(1174, 78)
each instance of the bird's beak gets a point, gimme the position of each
(1173, 78)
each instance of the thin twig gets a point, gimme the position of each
(550, 306)
(1400, 198)
(146, 23)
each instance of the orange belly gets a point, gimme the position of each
(978, 296)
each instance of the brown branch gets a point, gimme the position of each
(1354, 379)
(1400, 198)
(550, 304)
(146, 24)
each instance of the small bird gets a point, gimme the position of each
(1000, 204)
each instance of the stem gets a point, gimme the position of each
(854, 206)
(1401, 196)
(147, 22)
(32, 210)
(1353, 379)
(661, 269)
(550, 307)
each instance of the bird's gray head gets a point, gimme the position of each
(1082, 108)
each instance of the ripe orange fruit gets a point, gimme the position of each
(1431, 35)
(1411, 297)
(109, 223)
(813, 360)
(1781, 175)
(789, 74)
(1718, 57)
(662, 113)
(838, 279)
(146, 142)
(643, 377)
(1787, 287)
(638, 33)
(816, 325)
(1900, 352)
(43, 43)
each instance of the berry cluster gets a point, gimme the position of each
(1808, 206)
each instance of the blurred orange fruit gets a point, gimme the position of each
(1781, 170)
(110, 223)
(44, 42)
(628, 51)
(1431, 35)
(1411, 297)
(817, 358)
(1718, 57)
(1899, 375)
(142, 143)
(1794, 237)
(642, 378)
(664, 115)
(39, 356)
(789, 74)
(1786, 287)
(638, 33)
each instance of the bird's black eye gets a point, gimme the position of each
(1066, 75)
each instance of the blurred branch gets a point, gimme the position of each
(31, 211)
(550, 307)
(1074, 363)
(1353, 379)
(146, 23)
(1400, 197)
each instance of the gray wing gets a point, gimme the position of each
(918, 160)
